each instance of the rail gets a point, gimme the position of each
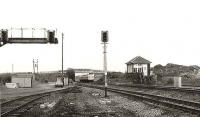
(166, 88)
(11, 106)
(189, 106)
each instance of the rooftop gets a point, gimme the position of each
(22, 75)
(138, 60)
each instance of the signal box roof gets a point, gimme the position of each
(138, 60)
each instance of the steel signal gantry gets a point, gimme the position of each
(6, 36)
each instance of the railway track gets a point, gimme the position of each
(16, 107)
(166, 88)
(189, 106)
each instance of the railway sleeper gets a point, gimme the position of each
(165, 103)
(158, 101)
(189, 103)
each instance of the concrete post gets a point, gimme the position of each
(177, 81)
(105, 68)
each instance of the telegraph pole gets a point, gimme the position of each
(37, 66)
(104, 39)
(12, 68)
(33, 69)
(62, 58)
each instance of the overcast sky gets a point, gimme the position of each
(162, 31)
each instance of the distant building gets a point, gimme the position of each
(23, 80)
(139, 65)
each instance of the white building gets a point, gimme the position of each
(23, 80)
(139, 65)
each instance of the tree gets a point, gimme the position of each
(5, 78)
(70, 73)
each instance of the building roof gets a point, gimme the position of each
(22, 75)
(138, 60)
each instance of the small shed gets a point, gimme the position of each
(23, 80)
(139, 65)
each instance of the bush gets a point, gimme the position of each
(45, 81)
(46, 77)
(170, 81)
(5, 79)
(112, 75)
(150, 80)
(159, 77)
(101, 81)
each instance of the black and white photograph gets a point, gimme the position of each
(100, 58)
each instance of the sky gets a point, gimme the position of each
(162, 31)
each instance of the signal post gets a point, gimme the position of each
(104, 40)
